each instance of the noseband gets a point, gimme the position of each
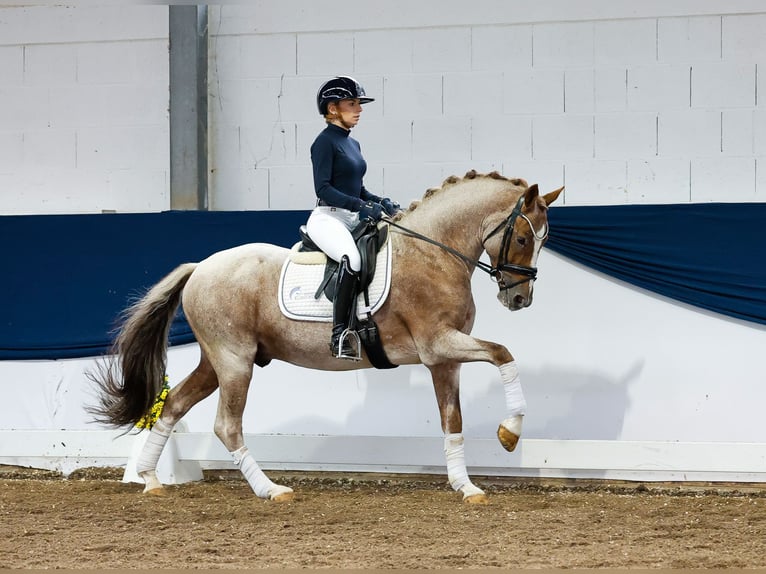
(496, 273)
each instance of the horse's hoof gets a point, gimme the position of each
(508, 439)
(477, 499)
(284, 497)
(281, 494)
(156, 491)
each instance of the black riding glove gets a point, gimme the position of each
(371, 210)
(391, 207)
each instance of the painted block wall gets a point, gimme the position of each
(84, 109)
(657, 104)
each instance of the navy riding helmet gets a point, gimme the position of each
(340, 88)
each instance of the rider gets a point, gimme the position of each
(342, 200)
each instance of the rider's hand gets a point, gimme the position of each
(391, 207)
(371, 210)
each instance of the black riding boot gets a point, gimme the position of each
(345, 342)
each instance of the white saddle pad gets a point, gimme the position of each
(302, 273)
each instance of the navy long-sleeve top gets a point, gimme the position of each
(339, 169)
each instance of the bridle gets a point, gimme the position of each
(506, 226)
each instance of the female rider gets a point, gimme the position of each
(342, 200)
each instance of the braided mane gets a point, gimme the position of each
(454, 180)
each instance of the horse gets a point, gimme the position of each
(230, 302)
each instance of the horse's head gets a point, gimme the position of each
(514, 245)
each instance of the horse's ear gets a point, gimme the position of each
(531, 195)
(552, 196)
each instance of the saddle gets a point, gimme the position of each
(369, 239)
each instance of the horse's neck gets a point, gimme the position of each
(455, 217)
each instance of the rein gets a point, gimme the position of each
(529, 273)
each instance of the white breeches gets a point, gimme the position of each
(330, 228)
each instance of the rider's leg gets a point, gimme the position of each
(343, 344)
(330, 230)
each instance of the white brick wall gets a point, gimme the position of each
(649, 103)
(83, 109)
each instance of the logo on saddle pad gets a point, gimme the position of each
(303, 273)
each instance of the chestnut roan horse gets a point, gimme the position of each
(230, 302)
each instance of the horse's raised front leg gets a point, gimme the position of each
(446, 379)
(228, 428)
(463, 348)
(198, 385)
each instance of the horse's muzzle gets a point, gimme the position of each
(514, 300)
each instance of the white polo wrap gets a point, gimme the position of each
(258, 481)
(150, 454)
(457, 474)
(514, 396)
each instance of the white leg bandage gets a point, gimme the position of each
(457, 474)
(514, 396)
(258, 481)
(150, 455)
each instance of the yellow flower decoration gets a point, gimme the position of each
(147, 421)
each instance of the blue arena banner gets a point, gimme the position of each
(66, 278)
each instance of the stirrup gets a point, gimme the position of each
(342, 339)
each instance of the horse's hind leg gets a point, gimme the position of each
(198, 385)
(228, 428)
(446, 379)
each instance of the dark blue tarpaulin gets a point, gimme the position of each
(710, 255)
(66, 278)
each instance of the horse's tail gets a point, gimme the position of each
(131, 378)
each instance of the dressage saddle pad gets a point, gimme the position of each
(302, 273)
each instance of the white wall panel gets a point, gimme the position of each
(325, 54)
(580, 90)
(723, 85)
(563, 44)
(625, 136)
(12, 65)
(534, 91)
(502, 138)
(50, 149)
(596, 182)
(441, 50)
(658, 180)
(611, 89)
(388, 141)
(652, 88)
(562, 137)
(689, 133)
(412, 96)
(465, 93)
(693, 39)
(441, 140)
(723, 179)
(742, 36)
(383, 51)
(273, 55)
(501, 47)
(626, 42)
(737, 132)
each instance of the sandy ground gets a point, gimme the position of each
(92, 520)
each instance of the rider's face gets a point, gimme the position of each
(348, 112)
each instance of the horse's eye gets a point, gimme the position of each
(521, 241)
